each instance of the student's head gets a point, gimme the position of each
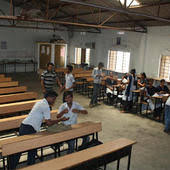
(150, 82)
(69, 97)
(100, 65)
(111, 74)
(143, 75)
(50, 96)
(162, 82)
(50, 67)
(133, 71)
(69, 68)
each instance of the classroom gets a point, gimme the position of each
(85, 84)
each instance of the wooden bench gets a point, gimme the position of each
(2, 75)
(9, 84)
(8, 109)
(5, 79)
(11, 90)
(15, 121)
(41, 139)
(94, 157)
(17, 97)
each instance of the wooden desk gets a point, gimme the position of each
(92, 157)
(17, 97)
(11, 90)
(5, 79)
(16, 107)
(41, 139)
(9, 84)
(2, 75)
(15, 121)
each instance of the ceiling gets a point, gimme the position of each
(91, 15)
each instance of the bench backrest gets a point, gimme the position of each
(17, 97)
(15, 121)
(9, 84)
(16, 107)
(11, 90)
(27, 142)
(77, 158)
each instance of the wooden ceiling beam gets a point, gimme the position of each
(65, 23)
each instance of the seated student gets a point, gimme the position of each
(111, 91)
(32, 123)
(162, 88)
(71, 109)
(150, 90)
(142, 81)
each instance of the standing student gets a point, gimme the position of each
(49, 78)
(69, 81)
(131, 85)
(32, 123)
(167, 116)
(97, 75)
(70, 110)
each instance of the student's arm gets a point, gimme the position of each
(50, 122)
(42, 86)
(80, 111)
(61, 113)
(58, 82)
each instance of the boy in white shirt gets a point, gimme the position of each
(70, 110)
(69, 81)
(32, 124)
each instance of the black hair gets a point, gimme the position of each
(143, 74)
(50, 94)
(100, 64)
(162, 80)
(68, 93)
(50, 64)
(70, 68)
(133, 71)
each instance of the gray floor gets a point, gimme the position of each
(152, 151)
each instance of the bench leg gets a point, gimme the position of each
(3, 159)
(129, 158)
(42, 158)
(97, 138)
(118, 163)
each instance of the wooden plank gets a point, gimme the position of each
(9, 84)
(17, 97)
(77, 158)
(2, 75)
(27, 142)
(5, 79)
(15, 122)
(11, 90)
(16, 107)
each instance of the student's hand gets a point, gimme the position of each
(65, 111)
(64, 118)
(76, 111)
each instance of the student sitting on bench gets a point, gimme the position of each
(70, 110)
(32, 123)
(162, 88)
(111, 87)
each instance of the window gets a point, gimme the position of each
(118, 61)
(82, 55)
(164, 71)
(129, 3)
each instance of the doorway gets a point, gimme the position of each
(60, 51)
